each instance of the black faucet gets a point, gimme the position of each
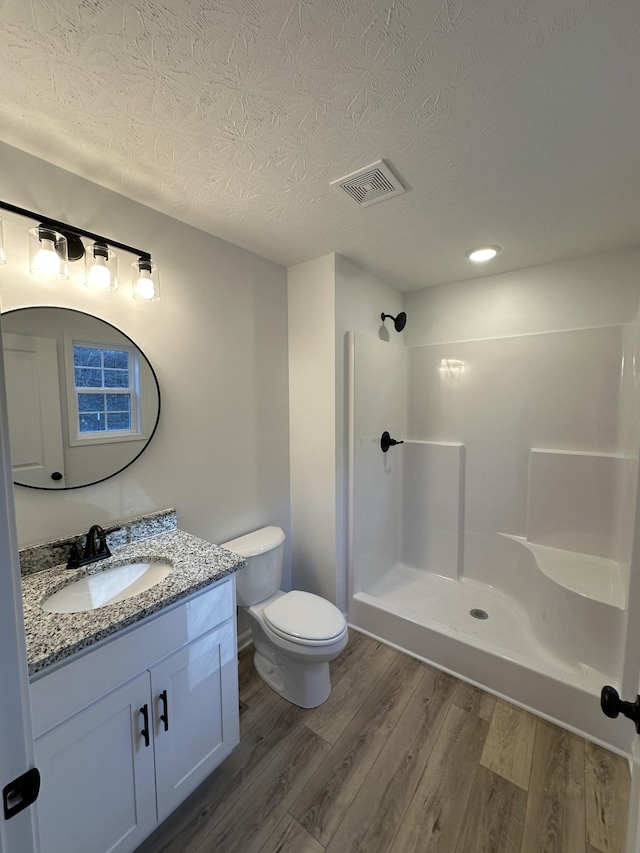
(95, 548)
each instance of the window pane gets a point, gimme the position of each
(105, 396)
(92, 422)
(116, 358)
(118, 403)
(118, 420)
(87, 357)
(88, 377)
(116, 379)
(91, 403)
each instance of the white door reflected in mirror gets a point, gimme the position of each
(33, 400)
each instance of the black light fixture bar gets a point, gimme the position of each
(62, 226)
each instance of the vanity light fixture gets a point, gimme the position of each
(52, 244)
(48, 252)
(101, 267)
(483, 254)
(146, 285)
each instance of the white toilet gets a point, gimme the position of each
(296, 634)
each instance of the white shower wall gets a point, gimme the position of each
(531, 411)
(517, 436)
(432, 506)
(513, 493)
(379, 403)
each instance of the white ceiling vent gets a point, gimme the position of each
(372, 184)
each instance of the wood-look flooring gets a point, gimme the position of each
(400, 758)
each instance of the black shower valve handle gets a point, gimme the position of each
(386, 442)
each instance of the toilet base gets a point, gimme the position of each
(304, 684)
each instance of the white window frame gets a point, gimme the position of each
(80, 439)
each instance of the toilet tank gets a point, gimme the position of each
(263, 550)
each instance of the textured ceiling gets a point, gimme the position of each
(513, 122)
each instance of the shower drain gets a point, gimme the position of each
(479, 614)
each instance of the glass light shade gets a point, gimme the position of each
(48, 253)
(146, 282)
(100, 268)
(3, 257)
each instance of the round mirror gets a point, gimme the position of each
(83, 400)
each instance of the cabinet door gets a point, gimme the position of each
(195, 690)
(98, 787)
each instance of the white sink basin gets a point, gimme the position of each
(107, 587)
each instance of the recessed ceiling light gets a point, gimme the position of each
(483, 253)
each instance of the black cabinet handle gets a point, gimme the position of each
(56, 476)
(165, 712)
(144, 732)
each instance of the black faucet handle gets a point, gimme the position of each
(75, 555)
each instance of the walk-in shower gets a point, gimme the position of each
(495, 541)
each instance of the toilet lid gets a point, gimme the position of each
(304, 616)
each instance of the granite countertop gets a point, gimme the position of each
(52, 637)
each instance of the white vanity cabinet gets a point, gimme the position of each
(195, 715)
(97, 777)
(125, 732)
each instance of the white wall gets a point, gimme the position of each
(217, 341)
(312, 435)
(327, 297)
(600, 290)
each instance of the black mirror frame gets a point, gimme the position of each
(153, 373)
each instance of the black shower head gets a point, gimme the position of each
(399, 322)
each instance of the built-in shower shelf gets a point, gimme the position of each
(593, 577)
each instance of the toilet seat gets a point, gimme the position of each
(305, 619)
